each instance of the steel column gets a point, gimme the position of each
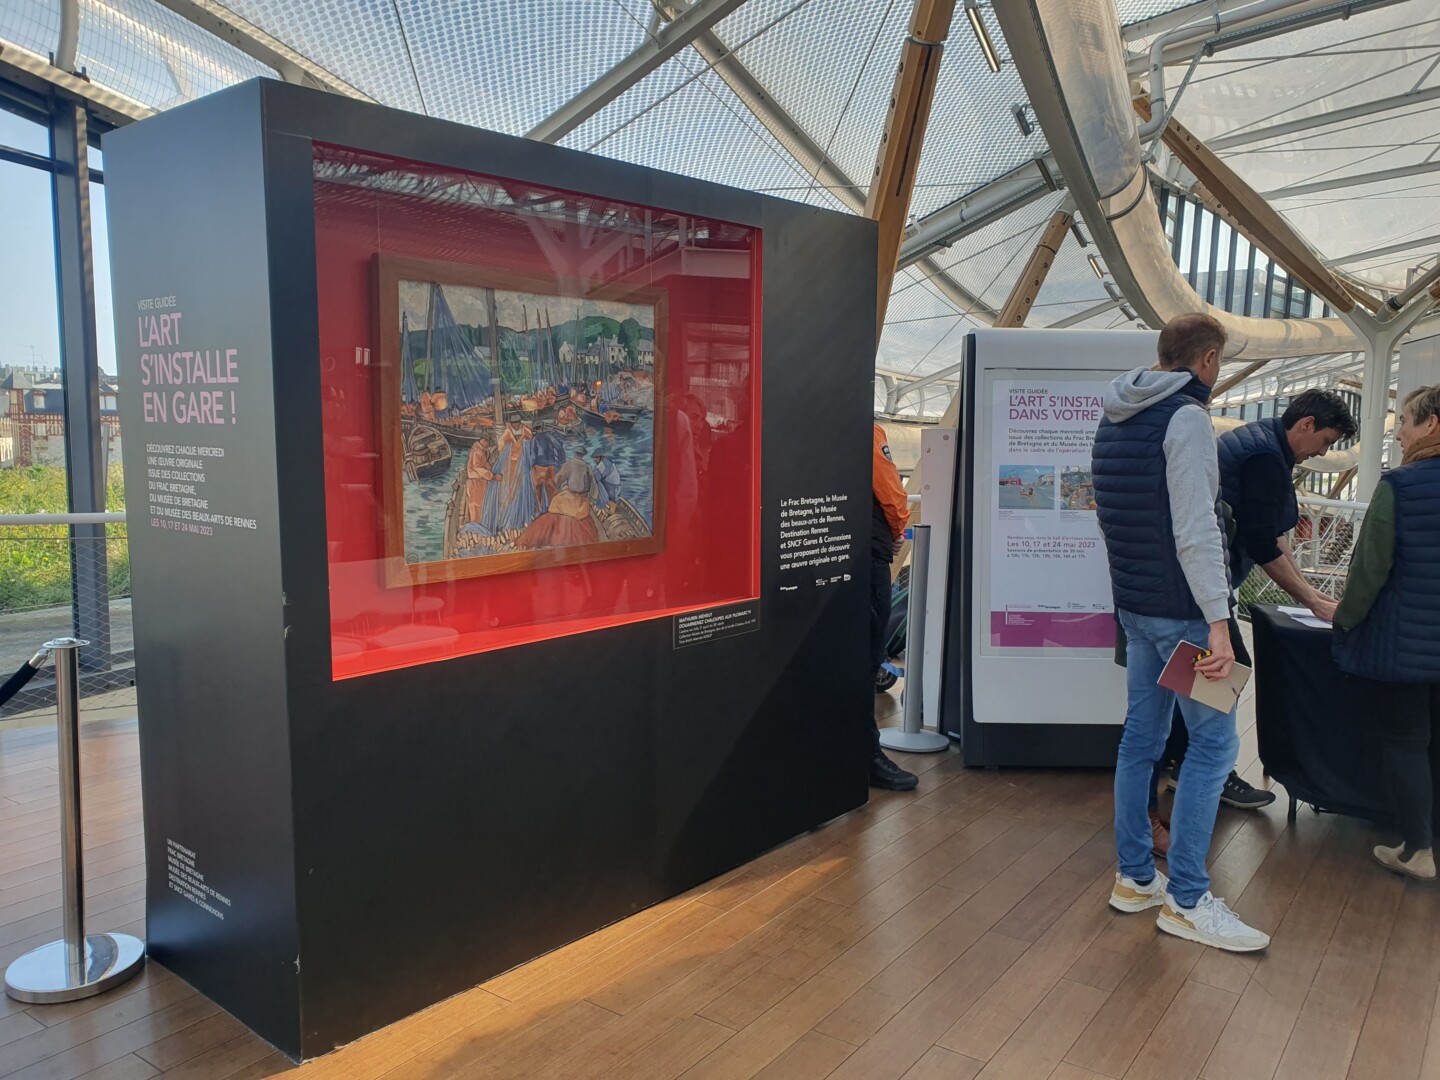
(1214, 258)
(85, 470)
(68, 45)
(1374, 411)
(1230, 269)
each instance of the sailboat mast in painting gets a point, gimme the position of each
(510, 442)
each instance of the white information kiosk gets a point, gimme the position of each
(1029, 675)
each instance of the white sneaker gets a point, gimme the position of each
(1128, 896)
(1211, 923)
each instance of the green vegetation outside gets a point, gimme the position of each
(35, 559)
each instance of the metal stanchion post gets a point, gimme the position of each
(912, 737)
(76, 966)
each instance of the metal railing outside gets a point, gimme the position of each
(1323, 543)
(68, 575)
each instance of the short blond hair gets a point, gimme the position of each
(1423, 403)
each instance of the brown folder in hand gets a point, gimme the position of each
(1181, 677)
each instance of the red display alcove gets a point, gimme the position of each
(572, 265)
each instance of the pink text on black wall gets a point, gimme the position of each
(187, 384)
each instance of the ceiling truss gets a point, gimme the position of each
(691, 24)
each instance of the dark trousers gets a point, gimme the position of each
(1179, 740)
(1409, 721)
(880, 608)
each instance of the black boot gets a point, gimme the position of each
(884, 773)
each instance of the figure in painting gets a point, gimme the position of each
(549, 456)
(569, 520)
(478, 475)
(510, 501)
(608, 477)
(577, 476)
(515, 433)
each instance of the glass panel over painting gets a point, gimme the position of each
(540, 410)
(555, 427)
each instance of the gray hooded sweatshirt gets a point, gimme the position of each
(1192, 475)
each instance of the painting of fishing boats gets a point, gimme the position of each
(521, 422)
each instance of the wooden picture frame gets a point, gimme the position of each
(400, 571)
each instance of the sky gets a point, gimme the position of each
(1028, 474)
(29, 319)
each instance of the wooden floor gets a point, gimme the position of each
(959, 931)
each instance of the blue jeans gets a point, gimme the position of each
(1214, 746)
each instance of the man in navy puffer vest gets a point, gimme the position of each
(1257, 462)
(1387, 631)
(1157, 493)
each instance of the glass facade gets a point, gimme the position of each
(1225, 268)
(55, 267)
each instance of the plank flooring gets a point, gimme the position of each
(953, 933)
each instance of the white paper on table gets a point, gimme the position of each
(1311, 621)
(1298, 612)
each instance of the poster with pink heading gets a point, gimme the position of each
(1049, 584)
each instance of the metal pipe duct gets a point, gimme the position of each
(1070, 56)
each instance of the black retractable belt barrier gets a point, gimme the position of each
(23, 674)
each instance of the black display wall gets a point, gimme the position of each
(327, 857)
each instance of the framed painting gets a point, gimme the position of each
(522, 423)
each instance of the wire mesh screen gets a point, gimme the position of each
(923, 330)
(987, 262)
(360, 42)
(1323, 544)
(150, 54)
(683, 117)
(54, 586)
(830, 64)
(521, 60)
(973, 136)
(33, 25)
(1132, 11)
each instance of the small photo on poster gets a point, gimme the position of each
(1077, 490)
(1048, 587)
(1027, 487)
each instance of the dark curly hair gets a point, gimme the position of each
(1327, 407)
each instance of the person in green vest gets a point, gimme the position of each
(1387, 630)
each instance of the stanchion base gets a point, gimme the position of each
(43, 977)
(921, 742)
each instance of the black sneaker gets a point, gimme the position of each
(884, 773)
(1239, 794)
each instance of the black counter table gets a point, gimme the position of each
(1314, 723)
